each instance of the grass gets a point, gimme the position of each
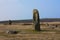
(28, 33)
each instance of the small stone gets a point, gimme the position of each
(11, 32)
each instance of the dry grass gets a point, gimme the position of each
(26, 32)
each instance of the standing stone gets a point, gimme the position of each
(36, 21)
(10, 22)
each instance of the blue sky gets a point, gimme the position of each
(22, 9)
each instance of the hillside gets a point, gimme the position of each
(30, 20)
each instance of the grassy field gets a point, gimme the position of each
(27, 32)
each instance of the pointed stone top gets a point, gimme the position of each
(35, 11)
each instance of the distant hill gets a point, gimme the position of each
(50, 20)
(30, 20)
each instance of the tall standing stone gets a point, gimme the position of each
(36, 21)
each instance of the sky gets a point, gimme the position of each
(23, 9)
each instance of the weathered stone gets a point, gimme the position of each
(47, 24)
(11, 32)
(10, 22)
(36, 21)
